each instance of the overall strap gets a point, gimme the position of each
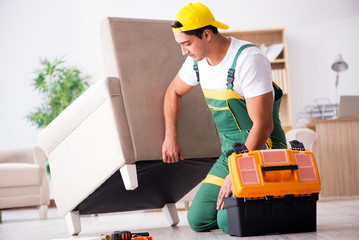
(195, 68)
(230, 75)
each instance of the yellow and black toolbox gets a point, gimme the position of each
(274, 191)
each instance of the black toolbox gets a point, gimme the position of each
(274, 191)
(271, 215)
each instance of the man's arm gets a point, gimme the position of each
(171, 150)
(260, 110)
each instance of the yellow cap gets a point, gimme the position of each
(194, 16)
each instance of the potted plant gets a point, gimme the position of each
(60, 85)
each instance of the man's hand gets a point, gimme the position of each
(226, 191)
(171, 150)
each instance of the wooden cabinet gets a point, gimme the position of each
(337, 156)
(267, 39)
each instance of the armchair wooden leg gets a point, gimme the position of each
(43, 212)
(73, 222)
(129, 176)
(186, 205)
(171, 214)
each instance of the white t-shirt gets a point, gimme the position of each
(252, 77)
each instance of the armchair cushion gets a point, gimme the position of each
(145, 57)
(19, 175)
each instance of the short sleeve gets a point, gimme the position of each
(187, 74)
(255, 76)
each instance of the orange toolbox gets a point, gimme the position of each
(274, 191)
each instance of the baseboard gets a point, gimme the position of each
(52, 203)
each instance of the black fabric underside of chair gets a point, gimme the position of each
(158, 184)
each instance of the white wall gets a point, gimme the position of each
(317, 31)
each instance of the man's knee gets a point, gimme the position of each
(222, 221)
(193, 219)
(198, 223)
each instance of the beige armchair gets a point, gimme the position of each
(305, 135)
(104, 150)
(23, 180)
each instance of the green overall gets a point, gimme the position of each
(230, 115)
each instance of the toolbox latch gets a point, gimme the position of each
(239, 148)
(296, 145)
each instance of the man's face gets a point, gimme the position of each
(191, 46)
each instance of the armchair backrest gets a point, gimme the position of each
(18, 155)
(144, 56)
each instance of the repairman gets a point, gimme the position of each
(236, 80)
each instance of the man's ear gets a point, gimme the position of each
(207, 34)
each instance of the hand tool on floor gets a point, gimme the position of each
(126, 235)
(143, 238)
(140, 234)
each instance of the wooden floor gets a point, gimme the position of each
(336, 219)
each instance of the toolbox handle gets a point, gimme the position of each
(279, 168)
(239, 147)
(296, 145)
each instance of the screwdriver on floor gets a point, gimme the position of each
(126, 235)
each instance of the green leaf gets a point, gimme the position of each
(60, 85)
